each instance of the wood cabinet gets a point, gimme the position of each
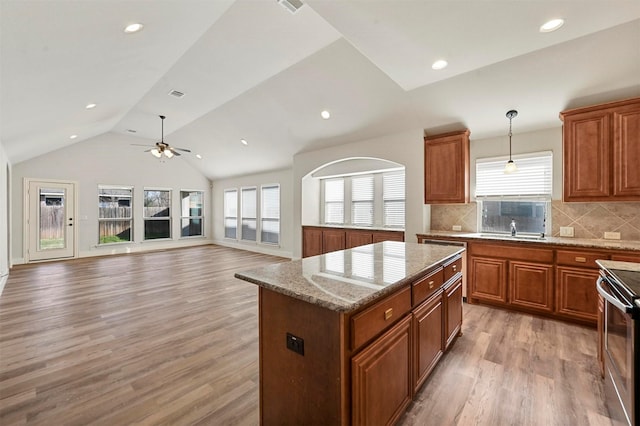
(531, 285)
(428, 337)
(446, 168)
(381, 377)
(488, 278)
(452, 311)
(320, 239)
(601, 151)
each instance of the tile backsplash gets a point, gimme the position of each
(589, 220)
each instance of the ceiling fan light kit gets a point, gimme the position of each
(164, 149)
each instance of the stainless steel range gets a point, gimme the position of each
(619, 285)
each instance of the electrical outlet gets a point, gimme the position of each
(295, 344)
(566, 231)
(457, 228)
(611, 235)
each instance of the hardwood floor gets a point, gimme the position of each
(171, 337)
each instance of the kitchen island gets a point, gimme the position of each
(349, 337)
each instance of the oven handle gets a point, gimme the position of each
(611, 298)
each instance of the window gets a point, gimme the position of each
(249, 214)
(157, 214)
(231, 213)
(523, 196)
(362, 200)
(375, 199)
(270, 214)
(393, 199)
(191, 213)
(114, 214)
(334, 201)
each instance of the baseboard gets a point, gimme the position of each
(145, 246)
(258, 248)
(3, 281)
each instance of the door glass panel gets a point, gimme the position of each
(52, 219)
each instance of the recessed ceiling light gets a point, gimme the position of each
(439, 64)
(244, 142)
(73, 136)
(325, 114)
(551, 25)
(199, 157)
(133, 28)
(90, 106)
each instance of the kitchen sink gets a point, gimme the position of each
(509, 237)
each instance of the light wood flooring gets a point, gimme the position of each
(171, 337)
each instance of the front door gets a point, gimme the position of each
(51, 220)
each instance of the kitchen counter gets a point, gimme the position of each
(556, 241)
(346, 280)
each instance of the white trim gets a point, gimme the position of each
(257, 248)
(3, 281)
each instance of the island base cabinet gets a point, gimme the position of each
(428, 338)
(453, 312)
(381, 377)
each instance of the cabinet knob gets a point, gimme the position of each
(455, 267)
(388, 313)
(581, 259)
(431, 283)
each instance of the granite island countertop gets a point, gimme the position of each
(346, 280)
(557, 241)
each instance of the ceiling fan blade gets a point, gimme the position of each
(148, 150)
(181, 149)
(139, 144)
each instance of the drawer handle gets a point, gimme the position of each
(388, 313)
(431, 283)
(581, 259)
(455, 267)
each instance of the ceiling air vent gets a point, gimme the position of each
(291, 5)
(176, 94)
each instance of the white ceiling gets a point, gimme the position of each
(251, 69)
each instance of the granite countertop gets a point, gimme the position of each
(346, 280)
(558, 241)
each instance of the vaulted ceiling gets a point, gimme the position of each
(252, 70)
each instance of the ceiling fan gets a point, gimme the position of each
(162, 148)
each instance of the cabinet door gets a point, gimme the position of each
(576, 295)
(446, 168)
(380, 236)
(626, 149)
(489, 279)
(531, 286)
(381, 377)
(452, 312)
(332, 240)
(311, 242)
(587, 156)
(357, 238)
(428, 338)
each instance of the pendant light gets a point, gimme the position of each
(510, 167)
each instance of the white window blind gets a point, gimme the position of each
(533, 177)
(270, 214)
(249, 213)
(393, 199)
(362, 200)
(230, 213)
(334, 201)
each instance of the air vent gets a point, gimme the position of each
(291, 5)
(176, 94)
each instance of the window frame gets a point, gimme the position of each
(224, 213)
(130, 188)
(242, 216)
(190, 217)
(146, 218)
(262, 218)
(342, 202)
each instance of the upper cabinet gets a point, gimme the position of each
(446, 168)
(601, 151)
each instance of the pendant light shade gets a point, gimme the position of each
(510, 167)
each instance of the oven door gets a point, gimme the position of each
(619, 331)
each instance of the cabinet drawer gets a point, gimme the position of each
(627, 257)
(375, 319)
(583, 259)
(427, 285)
(452, 268)
(511, 252)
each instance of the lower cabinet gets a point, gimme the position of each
(428, 337)
(531, 286)
(576, 295)
(452, 311)
(488, 279)
(311, 242)
(320, 239)
(333, 240)
(381, 377)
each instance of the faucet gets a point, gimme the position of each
(513, 227)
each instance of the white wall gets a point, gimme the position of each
(281, 177)
(5, 177)
(110, 160)
(404, 148)
(522, 143)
